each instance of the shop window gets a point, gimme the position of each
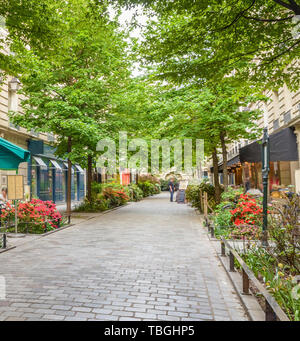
(287, 117)
(59, 186)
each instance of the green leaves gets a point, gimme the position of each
(69, 84)
(204, 41)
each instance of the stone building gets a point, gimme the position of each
(282, 116)
(45, 176)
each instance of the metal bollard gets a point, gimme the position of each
(212, 231)
(4, 241)
(222, 249)
(231, 262)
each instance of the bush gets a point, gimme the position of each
(192, 195)
(134, 192)
(247, 211)
(148, 188)
(115, 197)
(232, 195)
(98, 205)
(283, 230)
(36, 216)
(278, 279)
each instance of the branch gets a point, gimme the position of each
(239, 15)
(282, 53)
(268, 20)
(292, 5)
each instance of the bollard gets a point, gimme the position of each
(231, 262)
(212, 231)
(4, 241)
(222, 249)
(245, 283)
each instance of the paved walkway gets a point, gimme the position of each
(146, 261)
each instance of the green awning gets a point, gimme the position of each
(12, 155)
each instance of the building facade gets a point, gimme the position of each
(282, 117)
(45, 176)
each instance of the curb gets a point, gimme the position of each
(7, 249)
(39, 236)
(249, 302)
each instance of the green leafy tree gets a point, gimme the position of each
(202, 41)
(69, 92)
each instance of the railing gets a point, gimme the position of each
(273, 312)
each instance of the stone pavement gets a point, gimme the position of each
(149, 260)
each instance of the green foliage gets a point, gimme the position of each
(192, 195)
(277, 278)
(149, 188)
(203, 41)
(135, 193)
(284, 232)
(68, 86)
(231, 195)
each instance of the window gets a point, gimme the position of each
(287, 117)
(276, 124)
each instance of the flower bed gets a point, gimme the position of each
(35, 216)
(276, 266)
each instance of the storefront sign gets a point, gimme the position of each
(15, 187)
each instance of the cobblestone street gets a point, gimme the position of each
(149, 260)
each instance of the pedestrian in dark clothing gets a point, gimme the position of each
(171, 186)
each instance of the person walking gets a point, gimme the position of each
(171, 186)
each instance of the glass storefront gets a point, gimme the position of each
(50, 182)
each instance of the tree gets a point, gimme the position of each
(68, 91)
(201, 41)
(211, 114)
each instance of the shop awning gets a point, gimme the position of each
(56, 165)
(80, 170)
(230, 163)
(39, 161)
(283, 147)
(12, 155)
(67, 166)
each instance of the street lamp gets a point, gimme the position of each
(14, 84)
(265, 178)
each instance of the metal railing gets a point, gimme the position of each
(273, 311)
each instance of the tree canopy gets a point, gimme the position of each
(202, 41)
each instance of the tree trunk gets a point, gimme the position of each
(224, 153)
(69, 186)
(216, 176)
(89, 178)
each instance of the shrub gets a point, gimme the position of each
(115, 197)
(247, 211)
(284, 232)
(135, 193)
(192, 195)
(277, 277)
(231, 195)
(36, 216)
(148, 188)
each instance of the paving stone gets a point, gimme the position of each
(133, 261)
